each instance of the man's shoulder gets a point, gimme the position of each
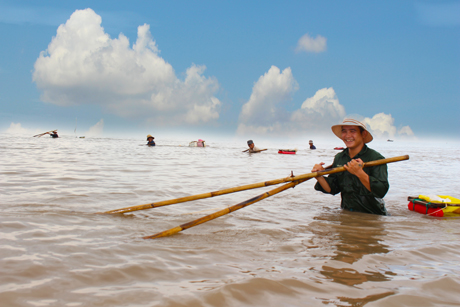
(341, 154)
(341, 158)
(373, 153)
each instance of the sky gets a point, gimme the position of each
(237, 68)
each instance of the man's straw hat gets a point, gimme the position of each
(337, 129)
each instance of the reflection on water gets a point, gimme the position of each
(350, 237)
(356, 235)
(362, 301)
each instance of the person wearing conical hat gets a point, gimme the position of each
(362, 189)
(150, 141)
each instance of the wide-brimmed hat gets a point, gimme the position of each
(310, 142)
(149, 136)
(337, 129)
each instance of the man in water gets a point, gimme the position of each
(54, 134)
(311, 144)
(362, 189)
(252, 147)
(150, 141)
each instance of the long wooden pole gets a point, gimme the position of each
(250, 186)
(225, 211)
(251, 201)
(42, 134)
(255, 151)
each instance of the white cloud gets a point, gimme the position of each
(406, 131)
(97, 129)
(262, 110)
(381, 125)
(319, 112)
(17, 129)
(263, 115)
(309, 44)
(83, 65)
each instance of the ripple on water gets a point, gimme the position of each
(296, 248)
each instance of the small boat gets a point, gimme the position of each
(389, 140)
(435, 205)
(199, 143)
(287, 151)
(339, 148)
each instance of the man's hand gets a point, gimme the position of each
(318, 167)
(354, 167)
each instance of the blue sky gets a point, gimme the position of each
(248, 68)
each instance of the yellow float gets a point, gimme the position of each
(435, 205)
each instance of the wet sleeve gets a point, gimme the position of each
(378, 179)
(333, 182)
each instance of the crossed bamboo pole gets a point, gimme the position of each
(253, 200)
(249, 186)
(225, 211)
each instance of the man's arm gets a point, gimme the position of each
(324, 184)
(355, 167)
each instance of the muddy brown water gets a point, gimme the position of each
(293, 249)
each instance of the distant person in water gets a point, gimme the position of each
(200, 143)
(252, 147)
(150, 141)
(311, 144)
(361, 189)
(54, 134)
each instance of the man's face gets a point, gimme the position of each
(352, 136)
(150, 139)
(251, 145)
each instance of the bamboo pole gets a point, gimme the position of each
(42, 134)
(225, 211)
(249, 186)
(253, 200)
(255, 151)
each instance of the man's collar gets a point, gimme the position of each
(362, 152)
